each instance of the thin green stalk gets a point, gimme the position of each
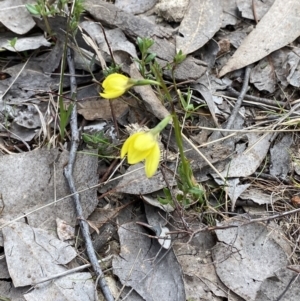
(47, 25)
(184, 162)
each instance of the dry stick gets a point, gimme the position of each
(239, 101)
(68, 172)
(260, 100)
(68, 272)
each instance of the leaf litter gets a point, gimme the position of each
(162, 249)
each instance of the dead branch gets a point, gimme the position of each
(68, 172)
(240, 99)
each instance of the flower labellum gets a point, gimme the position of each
(116, 85)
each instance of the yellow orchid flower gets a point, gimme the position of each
(117, 84)
(144, 146)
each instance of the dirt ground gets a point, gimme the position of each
(100, 199)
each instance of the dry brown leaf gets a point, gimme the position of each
(109, 14)
(101, 109)
(64, 230)
(279, 27)
(152, 103)
(15, 16)
(202, 20)
(135, 7)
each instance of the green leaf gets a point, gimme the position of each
(179, 57)
(13, 42)
(150, 58)
(33, 9)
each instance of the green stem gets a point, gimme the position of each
(48, 28)
(143, 82)
(161, 125)
(184, 161)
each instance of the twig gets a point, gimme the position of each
(113, 115)
(260, 100)
(68, 272)
(68, 172)
(287, 288)
(203, 157)
(254, 12)
(240, 99)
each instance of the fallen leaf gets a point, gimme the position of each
(247, 162)
(64, 231)
(261, 8)
(259, 196)
(117, 40)
(172, 11)
(201, 21)
(28, 117)
(296, 201)
(33, 179)
(234, 190)
(230, 13)
(135, 7)
(15, 16)
(262, 76)
(152, 103)
(21, 133)
(101, 108)
(292, 66)
(246, 256)
(23, 43)
(280, 156)
(200, 278)
(271, 33)
(4, 274)
(74, 287)
(153, 201)
(130, 24)
(190, 69)
(136, 182)
(143, 265)
(7, 290)
(32, 253)
(275, 287)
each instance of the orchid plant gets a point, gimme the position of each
(143, 146)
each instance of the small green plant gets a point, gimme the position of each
(101, 142)
(167, 198)
(50, 8)
(111, 69)
(144, 146)
(147, 57)
(64, 115)
(186, 104)
(13, 43)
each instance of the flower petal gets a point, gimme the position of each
(152, 161)
(115, 80)
(129, 141)
(145, 142)
(134, 156)
(115, 85)
(111, 94)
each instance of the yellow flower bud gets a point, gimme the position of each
(116, 85)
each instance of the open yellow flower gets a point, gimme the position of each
(142, 146)
(116, 85)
